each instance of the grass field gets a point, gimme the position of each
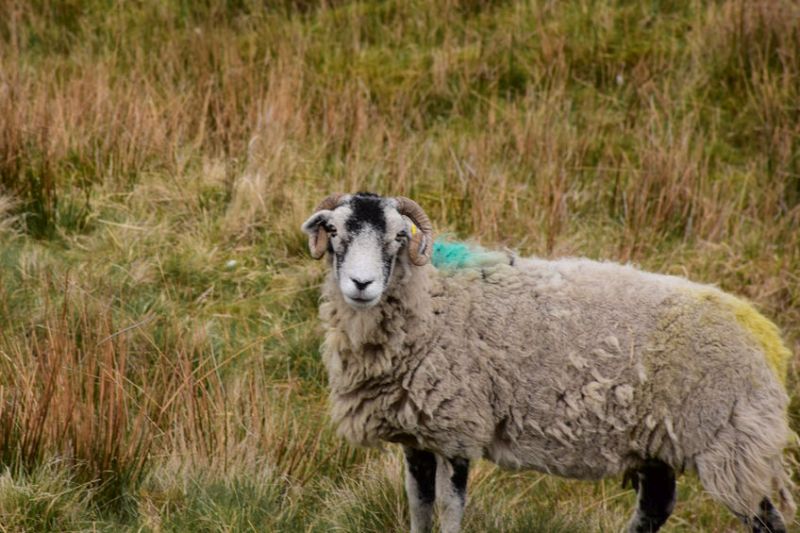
(159, 365)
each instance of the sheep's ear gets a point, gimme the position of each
(314, 227)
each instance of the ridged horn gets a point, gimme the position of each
(420, 246)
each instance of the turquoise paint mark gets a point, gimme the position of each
(454, 255)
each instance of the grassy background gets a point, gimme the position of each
(159, 365)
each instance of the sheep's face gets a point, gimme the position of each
(365, 236)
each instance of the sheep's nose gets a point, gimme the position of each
(361, 285)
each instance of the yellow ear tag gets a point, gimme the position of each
(413, 230)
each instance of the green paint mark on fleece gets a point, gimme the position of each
(454, 255)
(764, 332)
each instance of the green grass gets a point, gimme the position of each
(159, 363)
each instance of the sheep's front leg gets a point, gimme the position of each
(420, 487)
(451, 490)
(655, 485)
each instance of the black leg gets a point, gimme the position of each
(655, 483)
(420, 487)
(459, 477)
(768, 520)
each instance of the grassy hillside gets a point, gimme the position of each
(159, 366)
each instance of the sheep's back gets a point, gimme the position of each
(588, 365)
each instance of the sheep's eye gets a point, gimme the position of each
(330, 229)
(401, 236)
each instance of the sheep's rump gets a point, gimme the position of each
(584, 368)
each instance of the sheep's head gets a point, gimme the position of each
(365, 236)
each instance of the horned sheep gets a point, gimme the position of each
(573, 367)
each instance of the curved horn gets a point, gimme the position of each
(318, 240)
(331, 202)
(421, 244)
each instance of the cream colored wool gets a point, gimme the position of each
(572, 367)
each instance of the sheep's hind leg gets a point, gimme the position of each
(420, 488)
(451, 491)
(768, 519)
(655, 483)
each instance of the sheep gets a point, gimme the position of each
(573, 367)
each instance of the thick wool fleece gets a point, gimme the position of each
(573, 367)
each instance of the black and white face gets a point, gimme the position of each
(366, 234)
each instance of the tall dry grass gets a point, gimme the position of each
(70, 391)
